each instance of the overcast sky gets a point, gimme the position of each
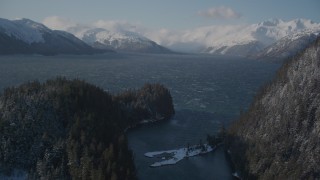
(171, 14)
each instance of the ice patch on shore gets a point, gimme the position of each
(171, 157)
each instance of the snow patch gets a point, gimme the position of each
(23, 29)
(266, 33)
(235, 174)
(171, 157)
(112, 38)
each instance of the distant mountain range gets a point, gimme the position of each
(273, 38)
(25, 36)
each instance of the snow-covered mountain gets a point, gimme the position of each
(120, 41)
(24, 36)
(289, 45)
(256, 37)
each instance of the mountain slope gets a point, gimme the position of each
(289, 45)
(25, 36)
(256, 37)
(64, 129)
(278, 138)
(120, 41)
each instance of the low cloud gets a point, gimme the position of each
(58, 23)
(117, 25)
(190, 40)
(221, 12)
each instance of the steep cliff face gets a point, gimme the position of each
(279, 136)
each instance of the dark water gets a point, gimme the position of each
(207, 91)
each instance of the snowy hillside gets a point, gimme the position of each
(23, 29)
(289, 45)
(25, 36)
(278, 136)
(256, 37)
(120, 41)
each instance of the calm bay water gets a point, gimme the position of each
(207, 91)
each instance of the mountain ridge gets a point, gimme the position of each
(126, 41)
(264, 34)
(25, 36)
(255, 41)
(288, 46)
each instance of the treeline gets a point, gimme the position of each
(64, 129)
(219, 138)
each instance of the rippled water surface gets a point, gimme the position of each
(207, 91)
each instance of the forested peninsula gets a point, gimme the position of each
(69, 129)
